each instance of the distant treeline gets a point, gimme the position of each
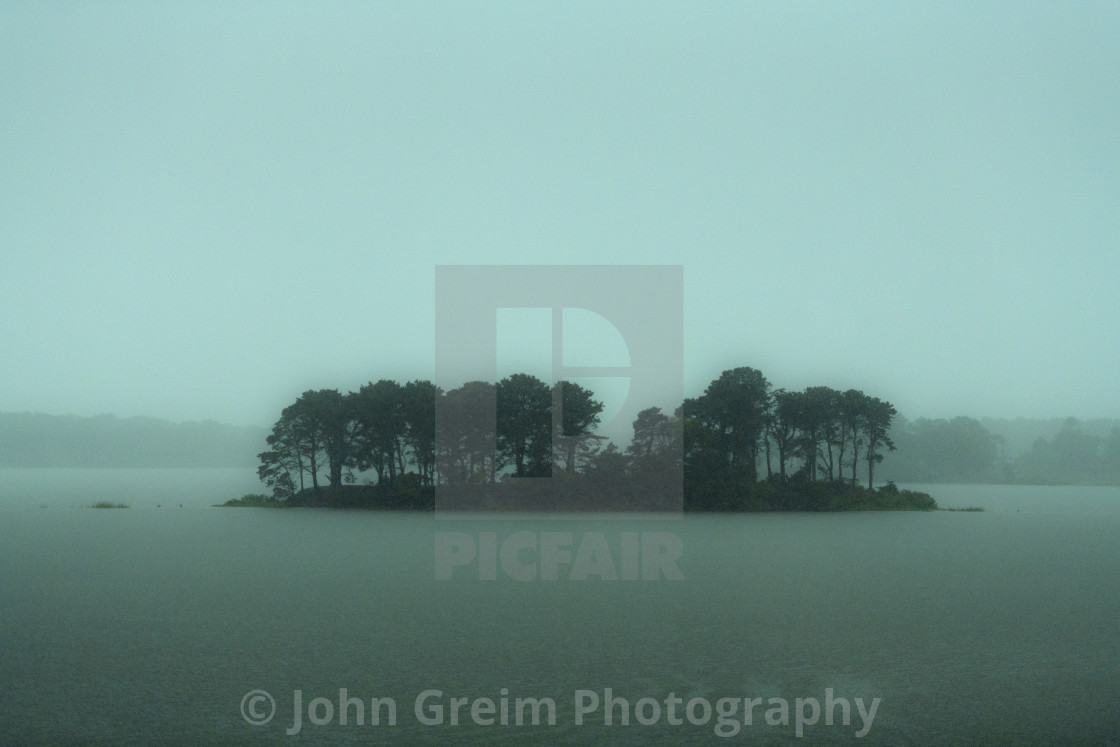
(811, 446)
(1060, 452)
(963, 449)
(39, 440)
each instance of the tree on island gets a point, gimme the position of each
(573, 433)
(380, 417)
(284, 458)
(487, 433)
(420, 426)
(524, 421)
(821, 428)
(782, 420)
(298, 444)
(465, 434)
(876, 423)
(731, 417)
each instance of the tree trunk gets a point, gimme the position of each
(400, 458)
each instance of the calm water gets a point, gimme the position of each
(149, 625)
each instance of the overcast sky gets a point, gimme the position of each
(207, 208)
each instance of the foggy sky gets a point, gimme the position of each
(207, 208)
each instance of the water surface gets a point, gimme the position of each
(121, 626)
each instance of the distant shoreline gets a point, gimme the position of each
(31, 440)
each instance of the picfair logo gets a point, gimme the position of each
(603, 327)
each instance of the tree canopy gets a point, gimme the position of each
(520, 427)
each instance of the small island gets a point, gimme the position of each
(740, 446)
(821, 496)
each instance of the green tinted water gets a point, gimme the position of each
(145, 624)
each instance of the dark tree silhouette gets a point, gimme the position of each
(465, 434)
(573, 432)
(525, 425)
(730, 418)
(379, 411)
(480, 433)
(418, 403)
(876, 426)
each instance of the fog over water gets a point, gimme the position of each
(973, 628)
(207, 209)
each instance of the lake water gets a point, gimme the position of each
(152, 624)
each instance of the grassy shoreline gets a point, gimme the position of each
(759, 497)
